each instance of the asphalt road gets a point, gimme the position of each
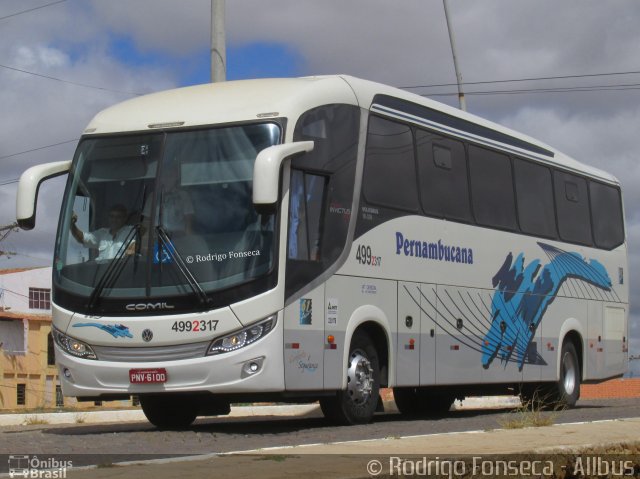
(112, 443)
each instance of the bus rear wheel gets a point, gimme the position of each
(567, 391)
(169, 411)
(357, 403)
(558, 395)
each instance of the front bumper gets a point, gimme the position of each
(222, 373)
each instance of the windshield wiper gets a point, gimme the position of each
(114, 268)
(181, 265)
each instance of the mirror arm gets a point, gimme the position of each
(28, 190)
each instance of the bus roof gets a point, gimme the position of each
(246, 100)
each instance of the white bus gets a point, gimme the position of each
(320, 238)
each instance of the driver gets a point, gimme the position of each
(106, 240)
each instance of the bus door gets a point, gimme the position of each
(304, 321)
(595, 363)
(614, 338)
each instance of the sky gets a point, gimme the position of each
(61, 64)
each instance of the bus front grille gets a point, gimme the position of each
(151, 354)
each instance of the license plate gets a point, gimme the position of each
(146, 376)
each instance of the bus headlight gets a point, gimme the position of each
(73, 346)
(242, 338)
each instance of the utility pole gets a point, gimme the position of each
(463, 103)
(218, 42)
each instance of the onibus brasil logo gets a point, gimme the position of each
(32, 466)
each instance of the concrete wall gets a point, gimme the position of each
(29, 327)
(616, 388)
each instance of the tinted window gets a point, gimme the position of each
(306, 206)
(534, 190)
(492, 188)
(321, 192)
(442, 170)
(606, 211)
(574, 223)
(136, 206)
(389, 170)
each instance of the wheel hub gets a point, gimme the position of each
(359, 378)
(569, 369)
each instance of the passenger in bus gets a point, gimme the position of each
(106, 240)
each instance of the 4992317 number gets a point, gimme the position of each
(195, 326)
(364, 256)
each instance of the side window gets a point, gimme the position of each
(389, 178)
(492, 188)
(534, 191)
(442, 167)
(321, 192)
(306, 206)
(574, 222)
(606, 214)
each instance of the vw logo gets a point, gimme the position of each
(147, 335)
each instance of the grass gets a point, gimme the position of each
(35, 420)
(531, 413)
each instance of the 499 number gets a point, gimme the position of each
(195, 326)
(364, 256)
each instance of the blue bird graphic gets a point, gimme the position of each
(522, 296)
(115, 330)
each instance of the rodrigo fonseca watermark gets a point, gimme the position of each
(220, 257)
(477, 466)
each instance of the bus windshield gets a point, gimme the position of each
(164, 214)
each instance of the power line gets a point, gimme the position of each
(544, 90)
(36, 149)
(31, 9)
(14, 292)
(9, 182)
(84, 85)
(48, 260)
(594, 88)
(561, 77)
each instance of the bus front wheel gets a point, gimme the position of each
(357, 403)
(166, 411)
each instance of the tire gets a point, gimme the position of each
(567, 391)
(166, 411)
(562, 394)
(357, 403)
(413, 401)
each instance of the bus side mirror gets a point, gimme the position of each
(266, 171)
(28, 190)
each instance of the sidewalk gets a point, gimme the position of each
(364, 459)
